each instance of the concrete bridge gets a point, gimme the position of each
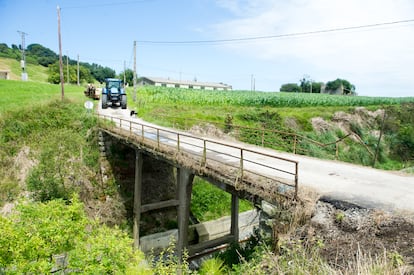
(244, 173)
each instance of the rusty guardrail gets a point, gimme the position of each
(206, 151)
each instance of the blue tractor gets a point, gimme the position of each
(113, 92)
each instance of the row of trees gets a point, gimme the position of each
(39, 55)
(307, 85)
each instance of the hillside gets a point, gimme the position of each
(48, 60)
(36, 73)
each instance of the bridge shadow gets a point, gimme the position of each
(159, 184)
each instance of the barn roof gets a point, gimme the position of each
(187, 82)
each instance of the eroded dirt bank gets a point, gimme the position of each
(347, 231)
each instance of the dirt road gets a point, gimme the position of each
(363, 186)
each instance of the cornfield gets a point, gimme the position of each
(249, 98)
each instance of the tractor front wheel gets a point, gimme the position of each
(104, 101)
(123, 101)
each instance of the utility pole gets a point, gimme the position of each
(67, 68)
(379, 138)
(135, 71)
(124, 74)
(78, 70)
(23, 61)
(254, 84)
(62, 84)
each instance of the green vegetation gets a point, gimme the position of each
(57, 237)
(58, 136)
(18, 95)
(41, 57)
(283, 121)
(49, 147)
(36, 73)
(223, 99)
(307, 85)
(209, 202)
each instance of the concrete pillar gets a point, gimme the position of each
(137, 196)
(184, 189)
(234, 227)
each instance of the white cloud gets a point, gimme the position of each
(385, 51)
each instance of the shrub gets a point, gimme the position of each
(56, 236)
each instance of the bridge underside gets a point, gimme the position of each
(230, 179)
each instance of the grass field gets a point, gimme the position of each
(17, 95)
(36, 73)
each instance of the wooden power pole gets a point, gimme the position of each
(78, 70)
(62, 83)
(135, 71)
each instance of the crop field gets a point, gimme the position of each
(269, 99)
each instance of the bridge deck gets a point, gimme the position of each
(246, 170)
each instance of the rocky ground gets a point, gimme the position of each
(347, 231)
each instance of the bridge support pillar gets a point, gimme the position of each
(184, 189)
(234, 228)
(137, 196)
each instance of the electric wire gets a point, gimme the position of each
(266, 37)
(106, 4)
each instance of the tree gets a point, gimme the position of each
(85, 75)
(316, 87)
(338, 83)
(43, 55)
(290, 88)
(305, 84)
(100, 73)
(129, 76)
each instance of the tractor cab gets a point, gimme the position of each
(113, 93)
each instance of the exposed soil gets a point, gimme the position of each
(347, 229)
(344, 121)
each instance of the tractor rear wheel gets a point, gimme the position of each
(123, 101)
(104, 101)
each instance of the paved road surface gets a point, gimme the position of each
(364, 186)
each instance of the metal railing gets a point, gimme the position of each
(285, 141)
(208, 152)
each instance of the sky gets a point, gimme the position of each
(199, 39)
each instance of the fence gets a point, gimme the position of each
(209, 152)
(276, 139)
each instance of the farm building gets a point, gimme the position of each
(4, 74)
(166, 82)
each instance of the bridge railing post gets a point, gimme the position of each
(178, 142)
(158, 138)
(295, 140)
(142, 131)
(241, 164)
(204, 161)
(296, 179)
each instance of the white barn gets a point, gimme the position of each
(166, 82)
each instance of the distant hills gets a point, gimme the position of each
(37, 54)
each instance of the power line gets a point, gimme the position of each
(254, 38)
(107, 4)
